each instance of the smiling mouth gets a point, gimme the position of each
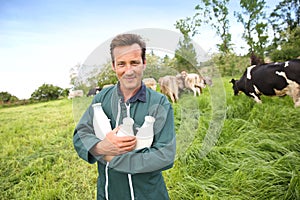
(129, 78)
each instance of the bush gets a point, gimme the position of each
(6, 97)
(289, 49)
(231, 64)
(46, 92)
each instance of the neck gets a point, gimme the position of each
(129, 93)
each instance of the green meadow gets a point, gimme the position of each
(228, 147)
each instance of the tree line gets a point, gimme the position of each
(283, 21)
(45, 92)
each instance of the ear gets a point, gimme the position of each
(144, 65)
(113, 66)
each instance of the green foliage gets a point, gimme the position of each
(185, 55)
(231, 64)
(212, 12)
(106, 76)
(158, 67)
(284, 18)
(6, 97)
(64, 92)
(217, 12)
(84, 77)
(254, 21)
(290, 48)
(47, 92)
(189, 25)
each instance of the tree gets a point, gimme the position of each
(46, 92)
(284, 19)
(253, 18)
(106, 75)
(83, 77)
(74, 74)
(185, 55)
(6, 97)
(217, 13)
(167, 61)
(153, 66)
(289, 49)
(158, 67)
(189, 25)
(211, 12)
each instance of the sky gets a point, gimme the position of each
(41, 40)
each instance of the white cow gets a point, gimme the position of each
(193, 81)
(75, 93)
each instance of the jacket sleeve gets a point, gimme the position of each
(160, 156)
(84, 137)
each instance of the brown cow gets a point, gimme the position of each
(150, 83)
(170, 85)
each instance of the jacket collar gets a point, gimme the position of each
(140, 95)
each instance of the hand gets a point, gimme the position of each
(113, 145)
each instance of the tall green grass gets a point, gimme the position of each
(37, 156)
(235, 149)
(256, 156)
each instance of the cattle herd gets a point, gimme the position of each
(171, 86)
(270, 79)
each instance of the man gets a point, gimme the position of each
(124, 171)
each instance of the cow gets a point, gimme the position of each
(208, 80)
(150, 83)
(107, 85)
(170, 85)
(272, 79)
(193, 82)
(93, 91)
(75, 93)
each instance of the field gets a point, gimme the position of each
(228, 147)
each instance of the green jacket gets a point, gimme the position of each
(144, 166)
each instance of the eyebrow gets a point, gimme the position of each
(131, 62)
(135, 61)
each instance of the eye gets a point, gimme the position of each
(120, 64)
(135, 63)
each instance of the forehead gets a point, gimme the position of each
(132, 51)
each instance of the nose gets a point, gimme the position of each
(128, 66)
(128, 69)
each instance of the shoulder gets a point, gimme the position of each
(156, 97)
(104, 93)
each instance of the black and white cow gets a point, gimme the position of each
(93, 91)
(273, 79)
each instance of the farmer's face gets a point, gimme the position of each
(129, 66)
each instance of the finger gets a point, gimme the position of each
(127, 144)
(115, 130)
(127, 149)
(127, 138)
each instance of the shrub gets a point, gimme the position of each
(46, 92)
